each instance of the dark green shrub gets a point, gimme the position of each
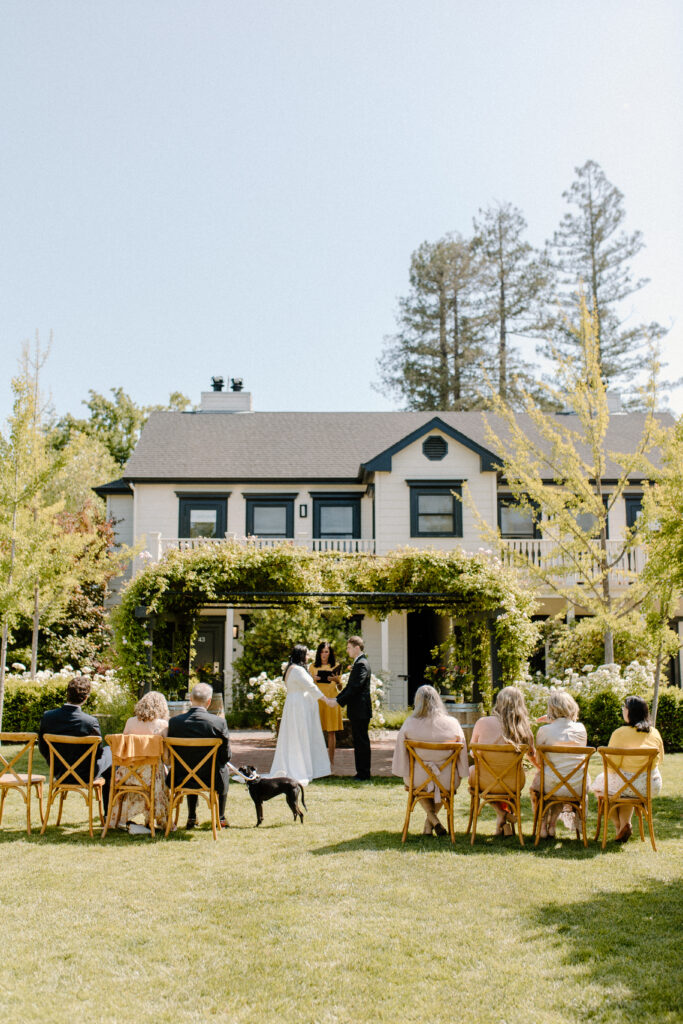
(26, 701)
(670, 720)
(601, 715)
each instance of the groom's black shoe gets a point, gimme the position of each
(362, 778)
(191, 823)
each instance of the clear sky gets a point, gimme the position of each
(206, 186)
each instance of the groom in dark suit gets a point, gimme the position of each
(355, 697)
(71, 720)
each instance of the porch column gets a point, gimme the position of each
(384, 644)
(227, 656)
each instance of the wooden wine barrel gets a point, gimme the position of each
(216, 706)
(467, 714)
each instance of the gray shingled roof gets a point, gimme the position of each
(303, 445)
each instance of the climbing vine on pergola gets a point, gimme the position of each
(469, 588)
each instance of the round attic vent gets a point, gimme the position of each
(434, 447)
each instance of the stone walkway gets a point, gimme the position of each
(253, 746)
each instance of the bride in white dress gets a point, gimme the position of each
(301, 751)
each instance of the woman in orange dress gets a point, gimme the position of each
(327, 676)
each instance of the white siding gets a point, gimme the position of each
(392, 496)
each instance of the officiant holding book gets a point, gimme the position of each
(326, 674)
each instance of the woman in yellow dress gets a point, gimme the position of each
(327, 676)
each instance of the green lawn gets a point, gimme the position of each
(336, 921)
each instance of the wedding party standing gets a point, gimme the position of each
(355, 697)
(326, 674)
(300, 752)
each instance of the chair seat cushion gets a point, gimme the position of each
(12, 780)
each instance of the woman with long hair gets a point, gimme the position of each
(638, 733)
(326, 674)
(300, 752)
(431, 723)
(150, 719)
(507, 724)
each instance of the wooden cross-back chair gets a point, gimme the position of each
(565, 786)
(141, 752)
(498, 778)
(20, 782)
(190, 783)
(432, 784)
(627, 795)
(73, 776)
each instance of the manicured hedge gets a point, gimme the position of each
(26, 701)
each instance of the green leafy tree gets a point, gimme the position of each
(115, 422)
(555, 467)
(435, 361)
(512, 291)
(591, 246)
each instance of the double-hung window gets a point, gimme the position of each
(270, 515)
(202, 515)
(336, 516)
(517, 521)
(435, 508)
(634, 509)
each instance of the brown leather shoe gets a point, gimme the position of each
(625, 834)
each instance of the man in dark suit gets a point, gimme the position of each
(355, 697)
(71, 720)
(198, 724)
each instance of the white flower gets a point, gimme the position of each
(250, 696)
(18, 667)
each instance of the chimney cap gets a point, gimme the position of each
(236, 383)
(217, 383)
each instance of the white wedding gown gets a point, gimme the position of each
(300, 752)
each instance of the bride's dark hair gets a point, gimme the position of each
(297, 657)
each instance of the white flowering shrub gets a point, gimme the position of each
(27, 697)
(269, 695)
(585, 686)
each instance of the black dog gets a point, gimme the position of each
(261, 790)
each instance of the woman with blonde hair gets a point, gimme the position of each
(150, 719)
(562, 727)
(431, 723)
(507, 724)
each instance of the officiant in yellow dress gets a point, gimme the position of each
(327, 676)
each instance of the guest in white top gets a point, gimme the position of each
(562, 728)
(431, 723)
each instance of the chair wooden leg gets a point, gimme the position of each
(406, 823)
(39, 794)
(469, 823)
(3, 794)
(100, 804)
(449, 817)
(50, 801)
(651, 830)
(538, 818)
(28, 809)
(605, 823)
(474, 823)
(640, 824)
(518, 810)
(597, 828)
(62, 797)
(169, 819)
(89, 799)
(113, 798)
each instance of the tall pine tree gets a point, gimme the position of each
(435, 360)
(591, 246)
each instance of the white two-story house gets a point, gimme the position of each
(370, 482)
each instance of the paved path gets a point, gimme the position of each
(253, 746)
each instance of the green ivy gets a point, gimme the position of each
(183, 582)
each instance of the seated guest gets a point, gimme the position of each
(509, 724)
(431, 723)
(562, 727)
(197, 724)
(71, 720)
(150, 719)
(639, 733)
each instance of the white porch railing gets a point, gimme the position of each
(544, 554)
(159, 545)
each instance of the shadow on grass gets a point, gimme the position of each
(627, 943)
(485, 844)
